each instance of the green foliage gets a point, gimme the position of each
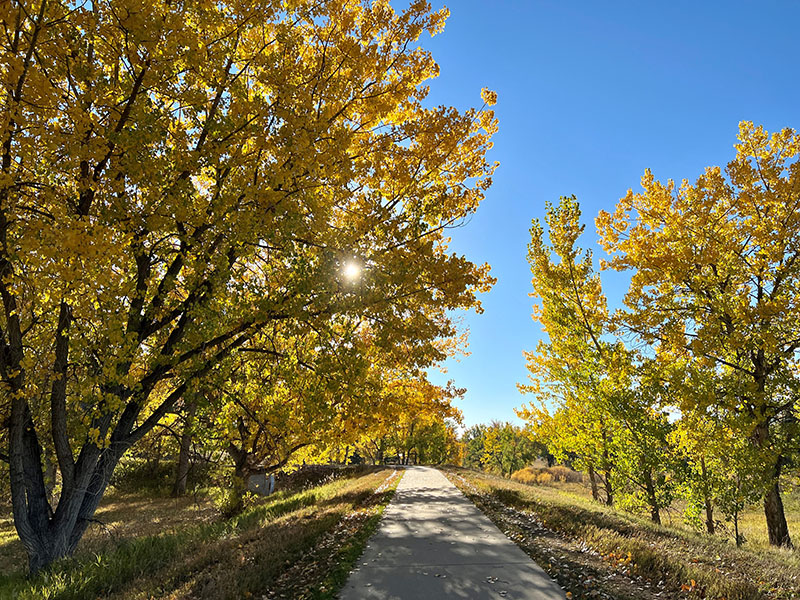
(472, 440)
(148, 476)
(692, 389)
(606, 417)
(499, 448)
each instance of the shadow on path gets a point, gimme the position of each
(434, 543)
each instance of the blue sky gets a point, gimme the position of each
(591, 94)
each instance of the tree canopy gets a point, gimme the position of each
(702, 374)
(183, 182)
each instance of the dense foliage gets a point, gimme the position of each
(692, 389)
(221, 209)
(501, 448)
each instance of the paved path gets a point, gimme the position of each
(433, 543)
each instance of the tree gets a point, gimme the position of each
(570, 367)
(645, 459)
(608, 414)
(185, 444)
(412, 419)
(175, 178)
(473, 439)
(576, 433)
(438, 443)
(508, 448)
(715, 280)
(722, 467)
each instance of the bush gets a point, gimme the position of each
(139, 475)
(566, 474)
(134, 475)
(313, 475)
(544, 476)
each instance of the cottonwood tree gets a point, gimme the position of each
(507, 448)
(438, 443)
(607, 413)
(574, 432)
(280, 394)
(176, 177)
(722, 468)
(570, 368)
(411, 417)
(648, 466)
(715, 280)
(472, 440)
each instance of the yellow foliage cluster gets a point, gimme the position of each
(692, 387)
(533, 475)
(182, 189)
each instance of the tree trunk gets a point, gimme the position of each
(183, 457)
(49, 473)
(241, 472)
(154, 458)
(50, 535)
(607, 469)
(709, 506)
(608, 488)
(777, 529)
(738, 537)
(593, 479)
(655, 515)
(709, 515)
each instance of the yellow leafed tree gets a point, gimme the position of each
(175, 177)
(715, 284)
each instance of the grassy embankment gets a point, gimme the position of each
(600, 552)
(298, 544)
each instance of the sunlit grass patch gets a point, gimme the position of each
(217, 559)
(687, 563)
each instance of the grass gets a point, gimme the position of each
(752, 523)
(122, 516)
(626, 556)
(346, 558)
(339, 549)
(213, 558)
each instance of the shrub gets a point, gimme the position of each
(136, 475)
(139, 475)
(565, 474)
(544, 476)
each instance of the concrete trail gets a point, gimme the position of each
(433, 543)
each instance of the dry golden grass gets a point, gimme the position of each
(234, 567)
(121, 516)
(688, 564)
(547, 475)
(752, 522)
(163, 548)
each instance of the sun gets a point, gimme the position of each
(352, 271)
